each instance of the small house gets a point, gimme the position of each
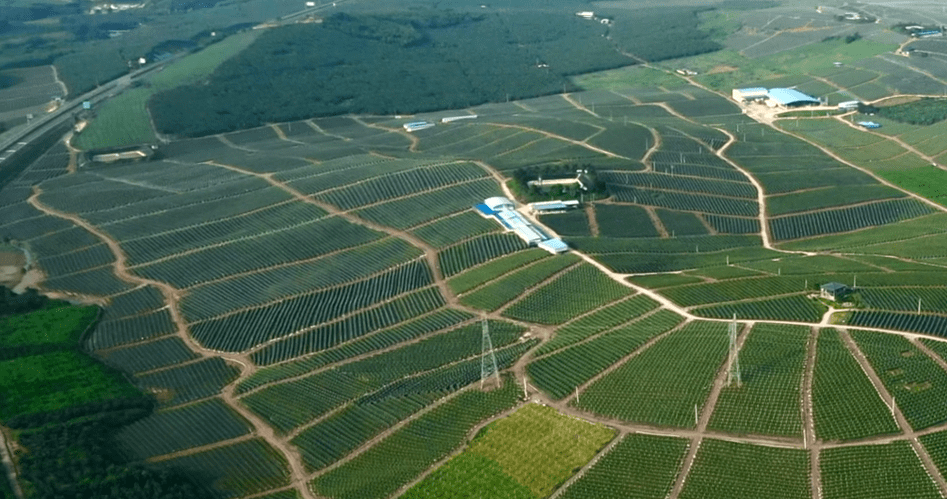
(834, 291)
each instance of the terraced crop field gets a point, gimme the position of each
(305, 302)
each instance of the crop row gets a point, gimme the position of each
(99, 281)
(562, 372)
(248, 328)
(455, 228)
(846, 219)
(355, 326)
(412, 449)
(188, 382)
(456, 259)
(298, 243)
(244, 468)
(598, 321)
(271, 220)
(796, 308)
(639, 467)
(733, 290)
(680, 223)
(133, 303)
(915, 381)
(196, 207)
(868, 471)
(695, 170)
(767, 400)
(571, 223)
(218, 297)
(174, 430)
(675, 182)
(117, 332)
(150, 355)
(692, 244)
(733, 225)
(624, 221)
(507, 288)
(280, 403)
(400, 184)
(472, 278)
(663, 384)
(677, 200)
(347, 170)
(929, 324)
(907, 299)
(725, 469)
(68, 263)
(573, 293)
(438, 321)
(414, 210)
(343, 432)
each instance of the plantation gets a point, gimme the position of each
(662, 385)
(727, 469)
(846, 405)
(767, 400)
(504, 290)
(640, 467)
(514, 453)
(864, 472)
(573, 293)
(912, 378)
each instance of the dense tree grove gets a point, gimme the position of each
(69, 453)
(521, 187)
(414, 62)
(926, 111)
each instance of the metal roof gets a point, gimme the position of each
(833, 287)
(554, 245)
(752, 90)
(786, 96)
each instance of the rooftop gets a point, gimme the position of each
(787, 96)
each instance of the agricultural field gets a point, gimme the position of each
(511, 457)
(304, 300)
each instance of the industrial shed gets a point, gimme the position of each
(789, 97)
(749, 94)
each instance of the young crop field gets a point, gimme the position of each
(767, 400)
(571, 223)
(845, 404)
(575, 292)
(728, 469)
(235, 470)
(663, 384)
(865, 471)
(936, 446)
(846, 219)
(472, 252)
(526, 454)
(624, 221)
(797, 308)
(563, 371)
(638, 467)
(929, 324)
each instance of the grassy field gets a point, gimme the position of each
(523, 455)
(58, 327)
(125, 120)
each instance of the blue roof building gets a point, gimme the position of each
(789, 97)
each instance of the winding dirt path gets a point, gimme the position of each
(6, 460)
(172, 298)
(897, 140)
(808, 416)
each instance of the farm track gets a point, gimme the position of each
(908, 432)
(202, 448)
(532, 289)
(6, 461)
(499, 277)
(594, 230)
(808, 416)
(172, 298)
(658, 224)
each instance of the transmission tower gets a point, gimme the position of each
(733, 369)
(488, 360)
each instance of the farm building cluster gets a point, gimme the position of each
(504, 212)
(774, 97)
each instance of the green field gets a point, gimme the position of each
(58, 327)
(767, 400)
(727, 469)
(523, 455)
(865, 471)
